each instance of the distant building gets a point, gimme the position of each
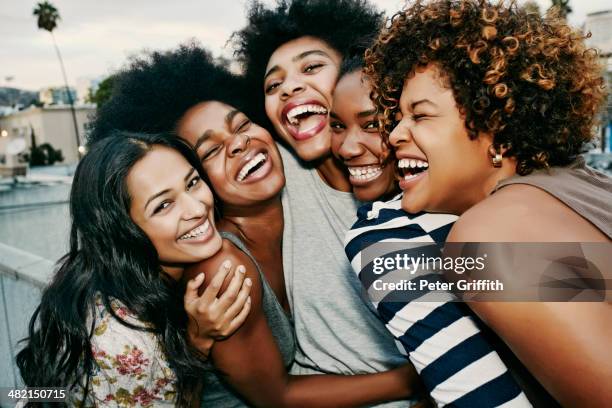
(50, 124)
(57, 95)
(599, 24)
(85, 86)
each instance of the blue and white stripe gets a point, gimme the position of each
(458, 365)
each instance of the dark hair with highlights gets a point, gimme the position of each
(112, 257)
(155, 90)
(528, 80)
(341, 24)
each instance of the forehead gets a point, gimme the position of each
(353, 85)
(423, 83)
(201, 117)
(161, 168)
(285, 54)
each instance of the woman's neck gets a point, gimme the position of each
(255, 221)
(333, 173)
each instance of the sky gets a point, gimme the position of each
(97, 37)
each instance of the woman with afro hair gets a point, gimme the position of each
(499, 103)
(291, 53)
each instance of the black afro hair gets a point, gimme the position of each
(156, 88)
(345, 25)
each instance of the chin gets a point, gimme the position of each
(314, 151)
(411, 205)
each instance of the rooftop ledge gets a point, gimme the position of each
(22, 265)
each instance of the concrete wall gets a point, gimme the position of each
(22, 277)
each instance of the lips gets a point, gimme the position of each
(304, 120)
(360, 175)
(411, 169)
(198, 233)
(254, 166)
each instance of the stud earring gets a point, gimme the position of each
(496, 156)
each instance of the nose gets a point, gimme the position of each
(192, 207)
(400, 134)
(351, 146)
(238, 144)
(291, 86)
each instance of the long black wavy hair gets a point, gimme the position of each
(109, 256)
(344, 25)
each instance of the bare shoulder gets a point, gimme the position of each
(516, 213)
(211, 266)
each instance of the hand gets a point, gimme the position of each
(212, 318)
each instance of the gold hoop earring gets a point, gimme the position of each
(496, 156)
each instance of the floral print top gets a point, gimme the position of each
(131, 369)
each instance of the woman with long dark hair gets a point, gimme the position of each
(112, 325)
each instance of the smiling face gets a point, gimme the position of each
(240, 158)
(441, 168)
(174, 208)
(298, 85)
(356, 139)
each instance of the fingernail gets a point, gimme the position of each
(227, 264)
(201, 276)
(241, 269)
(248, 282)
(248, 300)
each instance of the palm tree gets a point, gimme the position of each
(563, 7)
(47, 18)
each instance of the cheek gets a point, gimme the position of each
(270, 105)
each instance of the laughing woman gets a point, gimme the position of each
(291, 53)
(113, 327)
(500, 102)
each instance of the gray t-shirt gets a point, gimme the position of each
(336, 332)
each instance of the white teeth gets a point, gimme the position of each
(412, 163)
(196, 232)
(365, 173)
(298, 110)
(260, 157)
(410, 176)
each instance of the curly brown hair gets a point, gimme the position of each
(526, 79)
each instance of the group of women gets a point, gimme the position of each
(207, 263)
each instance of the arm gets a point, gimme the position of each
(564, 345)
(253, 364)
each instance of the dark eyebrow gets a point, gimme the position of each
(154, 196)
(297, 58)
(230, 116)
(367, 113)
(161, 193)
(420, 101)
(205, 136)
(332, 114)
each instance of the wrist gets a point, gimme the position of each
(202, 344)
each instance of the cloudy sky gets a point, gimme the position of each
(96, 37)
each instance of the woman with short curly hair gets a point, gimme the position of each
(499, 103)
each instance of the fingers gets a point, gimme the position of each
(231, 293)
(239, 319)
(212, 290)
(236, 308)
(191, 293)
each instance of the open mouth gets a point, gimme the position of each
(305, 120)
(364, 174)
(411, 168)
(254, 169)
(198, 233)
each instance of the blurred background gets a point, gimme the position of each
(56, 67)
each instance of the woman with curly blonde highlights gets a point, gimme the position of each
(499, 103)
